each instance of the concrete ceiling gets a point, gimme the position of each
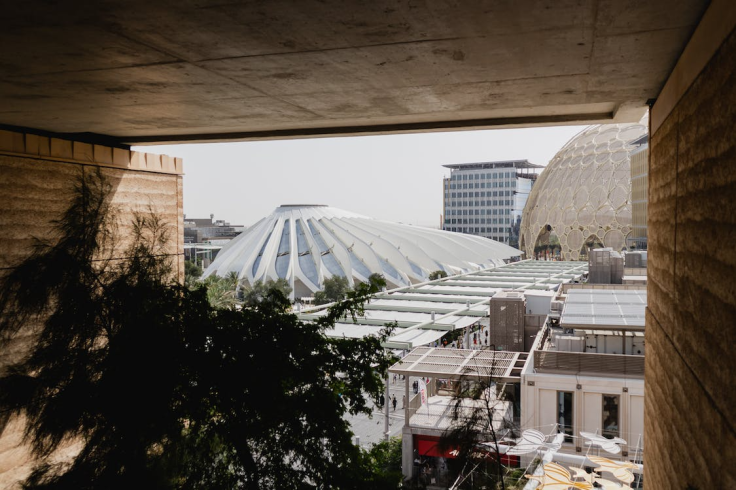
(145, 71)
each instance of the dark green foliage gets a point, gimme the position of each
(192, 272)
(515, 479)
(377, 280)
(222, 292)
(334, 289)
(286, 407)
(384, 459)
(163, 390)
(438, 274)
(254, 294)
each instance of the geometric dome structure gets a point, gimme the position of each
(584, 195)
(305, 244)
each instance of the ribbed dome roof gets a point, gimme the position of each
(584, 194)
(307, 243)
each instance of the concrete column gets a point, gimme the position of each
(624, 409)
(407, 452)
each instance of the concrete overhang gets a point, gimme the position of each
(139, 72)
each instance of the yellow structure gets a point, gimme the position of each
(639, 198)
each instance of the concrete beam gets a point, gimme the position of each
(143, 72)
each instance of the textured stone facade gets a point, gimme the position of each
(690, 407)
(37, 175)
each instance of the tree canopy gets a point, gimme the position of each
(334, 289)
(192, 272)
(162, 390)
(252, 295)
(222, 291)
(438, 274)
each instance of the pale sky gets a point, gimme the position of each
(394, 178)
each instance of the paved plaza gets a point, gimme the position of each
(371, 429)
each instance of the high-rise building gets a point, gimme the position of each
(488, 198)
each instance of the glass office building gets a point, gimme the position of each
(487, 199)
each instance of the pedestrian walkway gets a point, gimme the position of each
(371, 430)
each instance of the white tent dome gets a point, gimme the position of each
(305, 244)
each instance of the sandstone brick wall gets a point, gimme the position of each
(690, 408)
(37, 174)
(36, 178)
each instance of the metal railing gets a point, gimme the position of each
(589, 363)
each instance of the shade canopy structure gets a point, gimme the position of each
(423, 313)
(439, 362)
(306, 244)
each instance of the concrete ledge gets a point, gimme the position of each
(715, 26)
(61, 150)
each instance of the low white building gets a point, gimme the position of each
(429, 414)
(583, 377)
(587, 374)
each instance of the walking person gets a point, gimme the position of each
(393, 401)
(403, 402)
(382, 400)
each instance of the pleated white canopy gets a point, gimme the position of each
(305, 244)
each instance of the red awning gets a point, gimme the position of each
(429, 446)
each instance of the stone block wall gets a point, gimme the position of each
(37, 175)
(690, 408)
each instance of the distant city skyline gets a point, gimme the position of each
(393, 178)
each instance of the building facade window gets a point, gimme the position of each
(610, 416)
(564, 413)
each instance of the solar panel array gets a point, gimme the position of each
(604, 308)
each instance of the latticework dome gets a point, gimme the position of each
(584, 194)
(305, 244)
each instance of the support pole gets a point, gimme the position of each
(623, 347)
(406, 401)
(385, 406)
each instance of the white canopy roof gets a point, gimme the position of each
(307, 243)
(456, 302)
